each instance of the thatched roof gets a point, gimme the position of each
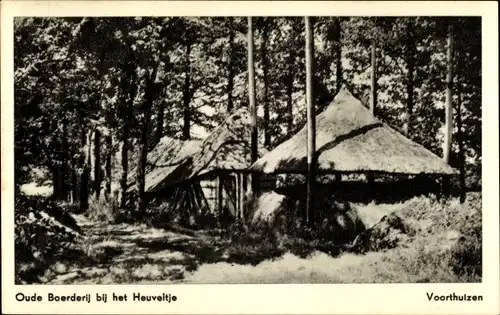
(350, 139)
(227, 148)
(166, 158)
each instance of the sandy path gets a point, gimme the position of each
(125, 253)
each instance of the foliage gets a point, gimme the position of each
(66, 81)
(425, 254)
(44, 233)
(103, 209)
(138, 79)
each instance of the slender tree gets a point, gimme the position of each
(373, 94)
(410, 63)
(73, 168)
(56, 170)
(85, 177)
(231, 70)
(263, 52)
(150, 95)
(311, 121)
(130, 83)
(289, 80)
(338, 53)
(448, 128)
(461, 154)
(460, 131)
(251, 96)
(109, 157)
(186, 129)
(97, 162)
(160, 117)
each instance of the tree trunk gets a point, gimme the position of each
(289, 100)
(187, 95)
(373, 98)
(159, 122)
(85, 177)
(230, 79)
(74, 177)
(461, 152)
(97, 163)
(448, 109)
(56, 169)
(109, 158)
(251, 96)
(338, 54)
(409, 83)
(124, 163)
(265, 39)
(141, 167)
(151, 90)
(311, 122)
(125, 135)
(289, 81)
(65, 173)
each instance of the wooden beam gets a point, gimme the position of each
(370, 179)
(220, 204)
(311, 121)
(237, 196)
(242, 198)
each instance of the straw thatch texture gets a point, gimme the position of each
(167, 157)
(227, 148)
(350, 139)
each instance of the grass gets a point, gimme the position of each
(446, 250)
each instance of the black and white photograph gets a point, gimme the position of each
(247, 149)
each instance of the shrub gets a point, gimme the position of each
(104, 209)
(464, 257)
(44, 233)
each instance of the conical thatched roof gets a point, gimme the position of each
(227, 148)
(350, 139)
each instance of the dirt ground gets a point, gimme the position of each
(125, 253)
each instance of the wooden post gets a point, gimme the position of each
(242, 198)
(219, 195)
(338, 177)
(237, 196)
(373, 99)
(370, 178)
(311, 122)
(446, 185)
(448, 110)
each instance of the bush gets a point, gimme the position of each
(44, 233)
(465, 255)
(103, 209)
